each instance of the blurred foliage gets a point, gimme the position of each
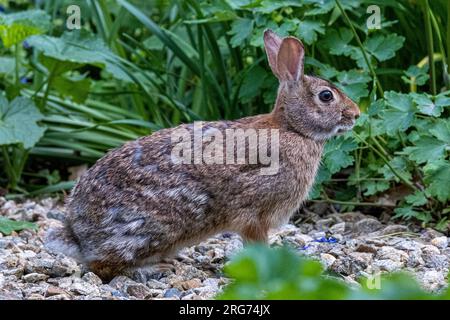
(261, 272)
(138, 66)
(7, 226)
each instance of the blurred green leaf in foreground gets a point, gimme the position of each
(7, 226)
(260, 272)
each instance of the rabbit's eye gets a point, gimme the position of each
(325, 95)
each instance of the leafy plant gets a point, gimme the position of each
(134, 68)
(19, 132)
(7, 226)
(260, 272)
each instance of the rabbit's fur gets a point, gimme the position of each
(135, 206)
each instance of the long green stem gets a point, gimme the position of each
(47, 89)
(448, 34)
(363, 50)
(17, 65)
(393, 170)
(447, 76)
(429, 37)
(12, 179)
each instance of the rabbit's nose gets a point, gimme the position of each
(352, 111)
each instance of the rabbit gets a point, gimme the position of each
(135, 206)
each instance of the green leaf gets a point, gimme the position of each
(252, 83)
(308, 30)
(354, 84)
(325, 6)
(426, 105)
(269, 6)
(417, 199)
(6, 65)
(443, 99)
(77, 89)
(380, 47)
(7, 226)
(384, 47)
(400, 114)
(420, 75)
(373, 187)
(338, 41)
(241, 29)
(18, 122)
(437, 175)
(75, 49)
(426, 149)
(441, 130)
(405, 213)
(400, 164)
(336, 153)
(16, 27)
(261, 272)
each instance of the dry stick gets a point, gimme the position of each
(354, 203)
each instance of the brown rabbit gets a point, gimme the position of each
(136, 205)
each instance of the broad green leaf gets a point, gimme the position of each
(400, 164)
(261, 272)
(354, 84)
(406, 213)
(76, 48)
(384, 47)
(324, 70)
(380, 47)
(325, 6)
(16, 27)
(441, 130)
(7, 226)
(437, 175)
(252, 83)
(18, 122)
(308, 30)
(426, 105)
(241, 29)
(337, 41)
(443, 99)
(6, 65)
(417, 199)
(420, 75)
(269, 6)
(77, 89)
(426, 149)
(400, 114)
(373, 187)
(336, 153)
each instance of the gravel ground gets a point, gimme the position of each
(363, 245)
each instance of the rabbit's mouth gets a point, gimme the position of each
(343, 128)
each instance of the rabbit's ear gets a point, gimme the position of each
(272, 44)
(290, 59)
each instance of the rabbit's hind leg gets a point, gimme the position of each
(155, 270)
(106, 271)
(255, 233)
